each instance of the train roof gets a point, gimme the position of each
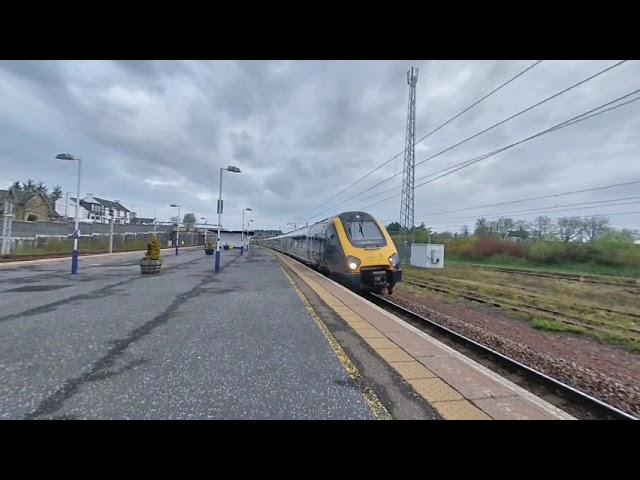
(354, 216)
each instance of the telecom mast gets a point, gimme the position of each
(408, 177)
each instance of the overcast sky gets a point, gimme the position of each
(153, 133)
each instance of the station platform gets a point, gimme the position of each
(456, 387)
(265, 338)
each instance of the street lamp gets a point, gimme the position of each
(205, 230)
(177, 226)
(242, 234)
(248, 228)
(234, 170)
(76, 232)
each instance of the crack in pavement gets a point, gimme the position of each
(104, 292)
(99, 372)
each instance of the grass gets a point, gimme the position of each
(567, 267)
(65, 246)
(579, 302)
(555, 326)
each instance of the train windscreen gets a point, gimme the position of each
(365, 233)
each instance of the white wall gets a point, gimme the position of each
(232, 239)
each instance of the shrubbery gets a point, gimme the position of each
(153, 249)
(608, 251)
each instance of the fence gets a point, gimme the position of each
(43, 237)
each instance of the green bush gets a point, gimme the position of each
(153, 249)
(543, 252)
(460, 247)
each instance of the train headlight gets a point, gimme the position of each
(394, 260)
(353, 262)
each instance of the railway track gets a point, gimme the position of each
(569, 319)
(576, 277)
(536, 296)
(585, 405)
(526, 292)
(576, 402)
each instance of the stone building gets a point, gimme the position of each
(28, 205)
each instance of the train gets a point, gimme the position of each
(352, 248)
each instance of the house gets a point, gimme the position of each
(66, 208)
(96, 210)
(28, 205)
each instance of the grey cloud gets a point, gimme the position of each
(157, 132)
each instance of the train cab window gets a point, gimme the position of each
(364, 233)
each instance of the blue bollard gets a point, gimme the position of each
(217, 267)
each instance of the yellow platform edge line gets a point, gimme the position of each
(370, 398)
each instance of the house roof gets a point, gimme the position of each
(103, 202)
(110, 204)
(20, 197)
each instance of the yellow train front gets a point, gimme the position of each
(352, 248)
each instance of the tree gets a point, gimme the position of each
(55, 195)
(521, 230)
(41, 187)
(541, 227)
(482, 228)
(174, 219)
(393, 227)
(568, 228)
(16, 186)
(189, 219)
(594, 227)
(465, 231)
(30, 186)
(504, 225)
(623, 237)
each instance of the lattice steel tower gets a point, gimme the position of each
(408, 179)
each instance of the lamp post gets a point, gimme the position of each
(76, 231)
(234, 170)
(205, 230)
(242, 234)
(248, 228)
(177, 226)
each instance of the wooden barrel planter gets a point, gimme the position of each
(150, 266)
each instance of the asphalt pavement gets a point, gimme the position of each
(110, 343)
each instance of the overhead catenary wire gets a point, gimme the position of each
(481, 157)
(566, 123)
(530, 211)
(562, 92)
(533, 198)
(428, 134)
(605, 214)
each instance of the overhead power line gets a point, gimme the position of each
(566, 123)
(559, 208)
(428, 134)
(562, 92)
(481, 157)
(533, 198)
(611, 214)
